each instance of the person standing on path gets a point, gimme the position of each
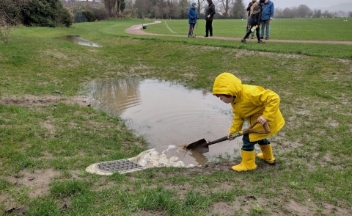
(192, 18)
(209, 15)
(267, 15)
(254, 21)
(248, 27)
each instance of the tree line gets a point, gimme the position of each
(55, 13)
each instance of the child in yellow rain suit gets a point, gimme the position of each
(255, 104)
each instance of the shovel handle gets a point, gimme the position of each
(218, 140)
(266, 127)
(249, 130)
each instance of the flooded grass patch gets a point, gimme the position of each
(166, 113)
(76, 39)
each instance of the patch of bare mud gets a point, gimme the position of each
(209, 48)
(36, 182)
(343, 61)
(49, 126)
(189, 75)
(31, 100)
(56, 54)
(9, 203)
(329, 209)
(332, 123)
(310, 208)
(140, 69)
(245, 53)
(102, 185)
(244, 204)
(181, 190)
(151, 213)
(298, 209)
(223, 209)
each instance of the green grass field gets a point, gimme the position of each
(47, 140)
(283, 29)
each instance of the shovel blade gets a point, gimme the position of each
(197, 144)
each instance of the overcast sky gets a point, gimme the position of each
(310, 3)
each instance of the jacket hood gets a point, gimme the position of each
(228, 84)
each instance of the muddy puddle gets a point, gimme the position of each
(78, 40)
(168, 114)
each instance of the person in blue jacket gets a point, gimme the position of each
(267, 15)
(192, 18)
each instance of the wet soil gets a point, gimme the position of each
(78, 40)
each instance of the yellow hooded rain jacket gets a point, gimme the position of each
(250, 103)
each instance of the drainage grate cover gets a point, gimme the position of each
(120, 166)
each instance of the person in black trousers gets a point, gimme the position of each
(209, 15)
(249, 15)
(254, 20)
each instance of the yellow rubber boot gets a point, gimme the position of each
(247, 163)
(267, 154)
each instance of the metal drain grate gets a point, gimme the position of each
(120, 166)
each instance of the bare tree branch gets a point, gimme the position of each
(5, 26)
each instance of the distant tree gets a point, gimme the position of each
(5, 26)
(89, 15)
(143, 8)
(289, 13)
(130, 9)
(327, 14)
(114, 7)
(122, 5)
(279, 12)
(303, 11)
(49, 13)
(13, 9)
(183, 7)
(226, 6)
(239, 11)
(350, 14)
(317, 13)
(174, 12)
(166, 12)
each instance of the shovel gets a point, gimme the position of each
(202, 145)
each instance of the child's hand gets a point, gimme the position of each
(229, 137)
(261, 120)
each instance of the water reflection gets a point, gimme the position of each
(78, 40)
(167, 113)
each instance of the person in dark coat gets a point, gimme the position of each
(192, 18)
(254, 21)
(209, 15)
(249, 15)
